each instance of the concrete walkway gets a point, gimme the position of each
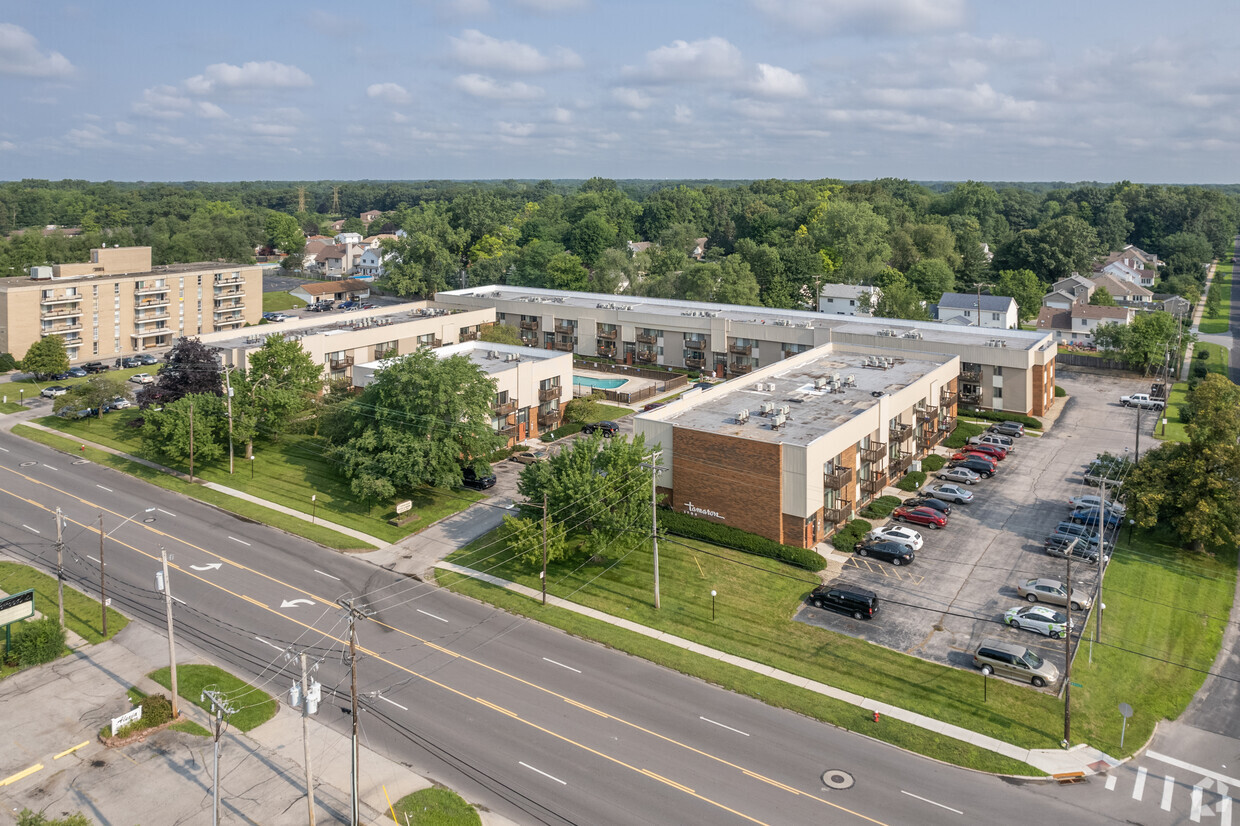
(1081, 758)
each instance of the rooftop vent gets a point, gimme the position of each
(779, 420)
(742, 416)
(767, 408)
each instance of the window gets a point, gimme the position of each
(852, 303)
(997, 392)
(994, 317)
(830, 300)
(116, 289)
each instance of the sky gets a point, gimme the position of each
(735, 89)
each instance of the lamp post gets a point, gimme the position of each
(314, 498)
(712, 604)
(21, 395)
(251, 467)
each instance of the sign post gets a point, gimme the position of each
(404, 507)
(1125, 711)
(13, 609)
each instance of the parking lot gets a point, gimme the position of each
(965, 577)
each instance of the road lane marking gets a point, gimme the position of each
(5, 449)
(393, 702)
(161, 510)
(585, 707)
(1139, 788)
(721, 725)
(1189, 767)
(561, 665)
(663, 779)
(72, 750)
(329, 576)
(27, 527)
(1111, 782)
(293, 603)
(92, 559)
(13, 778)
(543, 773)
(101, 487)
(1195, 813)
(1168, 788)
(242, 541)
(49, 467)
(250, 599)
(500, 709)
(210, 566)
(931, 802)
(272, 644)
(432, 616)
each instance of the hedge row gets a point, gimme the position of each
(911, 481)
(1060, 392)
(680, 524)
(562, 431)
(961, 435)
(999, 416)
(933, 462)
(881, 507)
(847, 537)
(37, 641)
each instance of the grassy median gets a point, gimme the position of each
(82, 614)
(253, 706)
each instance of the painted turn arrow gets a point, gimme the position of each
(293, 603)
(212, 566)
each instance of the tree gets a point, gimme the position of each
(502, 334)
(192, 368)
(354, 224)
(46, 357)
(1102, 298)
(1054, 250)
(1024, 287)
(278, 384)
(1144, 342)
(592, 234)
(932, 277)
(613, 271)
(853, 236)
(899, 299)
(1204, 514)
(415, 425)
(95, 393)
(167, 431)
(525, 537)
(1212, 412)
(430, 254)
(29, 818)
(284, 234)
(565, 272)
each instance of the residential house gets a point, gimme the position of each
(638, 246)
(1059, 300)
(1121, 290)
(847, 299)
(337, 225)
(330, 262)
(1075, 285)
(1144, 277)
(1134, 257)
(370, 265)
(1177, 305)
(1077, 324)
(348, 289)
(995, 311)
(370, 215)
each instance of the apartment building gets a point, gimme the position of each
(1010, 370)
(531, 385)
(118, 304)
(793, 450)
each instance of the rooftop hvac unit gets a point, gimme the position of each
(850, 380)
(820, 382)
(779, 420)
(890, 362)
(835, 377)
(493, 354)
(40, 273)
(767, 408)
(742, 416)
(784, 410)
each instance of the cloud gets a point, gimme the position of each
(392, 93)
(267, 74)
(552, 6)
(683, 114)
(209, 110)
(20, 55)
(775, 82)
(164, 102)
(273, 129)
(481, 86)
(561, 115)
(632, 98)
(866, 16)
(475, 49)
(711, 59)
(515, 130)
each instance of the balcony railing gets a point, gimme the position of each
(529, 325)
(948, 398)
(153, 302)
(144, 319)
(469, 335)
(509, 430)
(902, 464)
(229, 279)
(59, 299)
(876, 452)
(430, 342)
(695, 363)
(970, 398)
(233, 293)
(566, 329)
(607, 352)
(741, 349)
(60, 329)
(873, 485)
(928, 414)
(901, 431)
(642, 338)
(739, 369)
(564, 346)
(62, 312)
(695, 344)
(504, 408)
(947, 425)
(647, 356)
(341, 363)
(610, 335)
(158, 331)
(226, 322)
(971, 375)
(546, 394)
(549, 419)
(837, 479)
(149, 290)
(835, 516)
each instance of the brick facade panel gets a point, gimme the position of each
(739, 479)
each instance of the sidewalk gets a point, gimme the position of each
(1081, 758)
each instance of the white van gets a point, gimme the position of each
(994, 439)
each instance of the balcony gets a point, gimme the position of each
(739, 369)
(529, 341)
(607, 352)
(741, 349)
(642, 338)
(60, 329)
(948, 398)
(695, 344)
(509, 430)
(546, 394)
(835, 516)
(875, 485)
(928, 414)
(469, 335)
(63, 311)
(901, 431)
(529, 325)
(153, 302)
(837, 479)
(60, 299)
(970, 398)
(647, 356)
(695, 363)
(902, 464)
(157, 331)
(148, 289)
(974, 376)
(610, 335)
(229, 307)
(233, 293)
(229, 279)
(564, 346)
(228, 322)
(876, 452)
(565, 330)
(504, 408)
(430, 342)
(549, 419)
(947, 425)
(341, 363)
(146, 319)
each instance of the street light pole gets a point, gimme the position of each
(60, 567)
(172, 650)
(228, 384)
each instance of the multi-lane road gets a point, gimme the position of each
(528, 721)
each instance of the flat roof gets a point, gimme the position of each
(542, 300)
(345, 322)
(811, 413)
(492, 358)
(162, 269)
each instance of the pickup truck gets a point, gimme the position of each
(1143, 400)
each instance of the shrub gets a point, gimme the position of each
(156, 710)
(846, 538)
(961, 435)
(999, 416)
(1201, 353)
(1199, 370)
(584, 409)
(882, 506)
(933, 462)
(1060, 392)
(7, 362)
(911, 481)
(680, 524)
(39, 641)
(29, 818)
(561, 431)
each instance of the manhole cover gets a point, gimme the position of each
(837, 779)
(29, 464)
(149, 519)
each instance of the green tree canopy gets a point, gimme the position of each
(898, 299)
(167, 432)
(501, 334)
(46, 357)
(932, 277)
(192, 368)
(1102, 298)
(96, 392)
(1025, 288)
(277, 384)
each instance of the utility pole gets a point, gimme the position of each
(654, 467)
(354, 614)
(979, 304)
(1067, 649)
(103, 596)
(306, 695)
(172, 651)
(1102, 563)
(544, 571)
(221, 707)
(191, 443)
(228, 384)
(1136, 456)
(60, 569)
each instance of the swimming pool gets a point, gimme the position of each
(603, 384)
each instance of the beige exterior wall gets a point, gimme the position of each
(109, 261)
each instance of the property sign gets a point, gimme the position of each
(17, 607)
(125, 719)
(694, 510)
(404, 507)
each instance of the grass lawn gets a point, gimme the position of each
(287, 473)
(1220, 322)
(1215, 357)
(603, 413)
(436, 806)
(1174, 431)
(10, 407)
(122, 375)
(82, 614)
(258, 513)
(254, 706)
(274, 302)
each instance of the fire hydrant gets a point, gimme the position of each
(876, 716)
(83, 448)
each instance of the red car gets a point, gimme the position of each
(962, 455)
(989, 450)
(928, 517)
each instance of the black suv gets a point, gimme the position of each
(858, 602)
(95, 367)
(979, 466)
(929, 502)
(131, 361)
(608, 429)
(893, 552)
(1057, 545)
(473, 480)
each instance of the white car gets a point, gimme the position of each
(1089, 501)
(53, 391)
(950, 493)
(120, 403)
(959, 474)
(899, 534)
(1039, 618)
(142, 378)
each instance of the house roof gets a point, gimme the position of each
(330, 287)
(330, 252)
(1062, 294)
(372, 213)
(1074, 280)
(1052, 318)
(1124, 269)
(639, 246)
(846, 290)
(1101, 313)
(968, 301)
(1119, 287)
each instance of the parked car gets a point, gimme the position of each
(120, 403)
(1093, 517)
(368, 306)
(929, 502)
(1087, 535)
(995, 451)
(1015, 429)
(959, 474)
(857, 602)
(893, 552)
(1008, 659)
(1038, 618)
(928, 517)
(1090, 501)
(1143, 400)
(978, 465)
(1054, 592)
(950, 493)
(53, 391)
(473, 480)
(1058, 544)
(529, 457)
(898, 534)
(970, 452)
(95, 367)
(346, 305)
(142, 378)
(147, 359)
(608, 429)
(70, 413)
(131, 361)
(994, 438)
(76, 373)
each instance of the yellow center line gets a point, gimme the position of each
(72, 750)
(376, 655)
